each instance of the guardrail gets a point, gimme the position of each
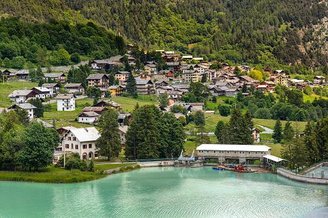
(300, 178)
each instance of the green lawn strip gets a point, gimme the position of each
(213, 119)
(51, 175)
(9, 87)
(110, 166)
(64, 118)
(128, 104)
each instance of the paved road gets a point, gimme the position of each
(266, 130)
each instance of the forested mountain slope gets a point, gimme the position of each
(257, 31)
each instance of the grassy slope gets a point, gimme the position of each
(59, 175)
(9, 87)
(67, 118)
(128, 104)
(51, 175)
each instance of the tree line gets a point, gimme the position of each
(25, 44)
(24, 145)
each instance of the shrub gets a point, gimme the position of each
(263, 113)
(224, 110)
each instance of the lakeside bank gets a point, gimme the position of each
(59, 175)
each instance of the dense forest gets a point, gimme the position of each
(263, 32)
(26, 44)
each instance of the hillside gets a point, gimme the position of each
(264, 32)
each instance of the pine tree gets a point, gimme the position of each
(221, 132)
(288, 132)
(143, 136)
(109, 142)
(277, 132)
(240, 128)
(131, 86)
(310, 140)
(172, 136)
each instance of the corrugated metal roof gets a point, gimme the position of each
(227, 147)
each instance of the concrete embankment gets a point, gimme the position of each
(156, 163)
(300, 178)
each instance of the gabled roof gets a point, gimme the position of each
(72, 85)
(50, 85)
(227, 147)
(142, 81)
(25, 106)
(53, 75)
(123, 129)
(96, 76)
(41, 89)
(89, 134)
(89, 114)
(20, 93)
(64, 96)
(22, 72)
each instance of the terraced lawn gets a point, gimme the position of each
(9, 87)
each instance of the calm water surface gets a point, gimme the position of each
(165, 192)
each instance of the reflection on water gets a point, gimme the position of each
(165, 192)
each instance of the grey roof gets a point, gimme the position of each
(64, 96)
(142, 81)
(49, 85)
(123, 72)
(53, 75)
(123, 129)
(20, 93)
(72, 85)
(89, 114)
(25, 106)
(96, 76)
(22, 72)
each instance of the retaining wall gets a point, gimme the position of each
(290, 175)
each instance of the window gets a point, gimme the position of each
(72, 146)
(67, 146)
(69, 138)
(84, 146)
(76, 146)
(74, 138)
(90, 145)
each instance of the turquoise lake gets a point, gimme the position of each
(165, 192)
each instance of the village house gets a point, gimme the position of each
(124, 119)
(319, 80)
(98, 110)
(256, 135)
(65, 102)
(105, 64)
(107, 103)
(191, 75)
(151, 68)
(29, 108)
(81, 141)
(55, 77)
(122, 132)
(22, 74)
(42, 93)
(115, 90)
(88, 117)
(122, 76)
(53, 87)
(98, 80)
(144, 87)
(74, 88)
(8, 75)
(21, 96)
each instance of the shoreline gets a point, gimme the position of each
(77, 176)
